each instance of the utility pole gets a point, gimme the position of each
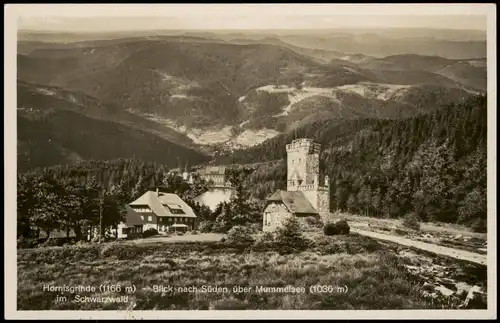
(100, 215)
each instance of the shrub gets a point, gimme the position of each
(205, 226)
(256, 227)
(240, 235)
(149, 233)
(266, 237)
(289, 236)
(132, 236)
(219, 227)
(412, 221)
(314, 221)
(479, 225)
(194, 232)
(23, 242)
(265, 241)
(336, 228)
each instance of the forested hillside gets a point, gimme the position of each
(433, 164)
(62, 127)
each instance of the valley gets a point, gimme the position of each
(218, 93)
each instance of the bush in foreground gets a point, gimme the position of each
(240, 235)
(205, 226)
(149, 233)
(314, 222)
(336, 228)
(479, 225)
(412, 221)
(289, 236)
(264, 242)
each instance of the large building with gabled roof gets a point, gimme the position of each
(160, 211)
(308, 191)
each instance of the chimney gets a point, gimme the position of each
(157, 191)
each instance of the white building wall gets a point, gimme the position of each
(121, 235)
(275, 215)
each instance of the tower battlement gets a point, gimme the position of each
(304, 144)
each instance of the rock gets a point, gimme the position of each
(448, 283)
(429, 294)
(445, 291)
(473, 299)
(462, 288)
(457, 237)
(428, 287)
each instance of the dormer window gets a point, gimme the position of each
(174, 208)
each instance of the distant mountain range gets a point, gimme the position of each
(189, 96)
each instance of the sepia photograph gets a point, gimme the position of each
(266, 161)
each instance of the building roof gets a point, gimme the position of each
(132, 217)
(213, 170)
(160, 203)
(295, 201)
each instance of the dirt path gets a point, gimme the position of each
(440, 250)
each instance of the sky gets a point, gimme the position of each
(94, 18)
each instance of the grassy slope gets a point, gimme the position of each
(374, 278)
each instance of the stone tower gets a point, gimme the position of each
(304, 174)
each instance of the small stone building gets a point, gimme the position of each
(308, 191)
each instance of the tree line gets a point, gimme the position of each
(93, 195)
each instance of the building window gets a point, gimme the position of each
(142, 217)
(150, 218)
